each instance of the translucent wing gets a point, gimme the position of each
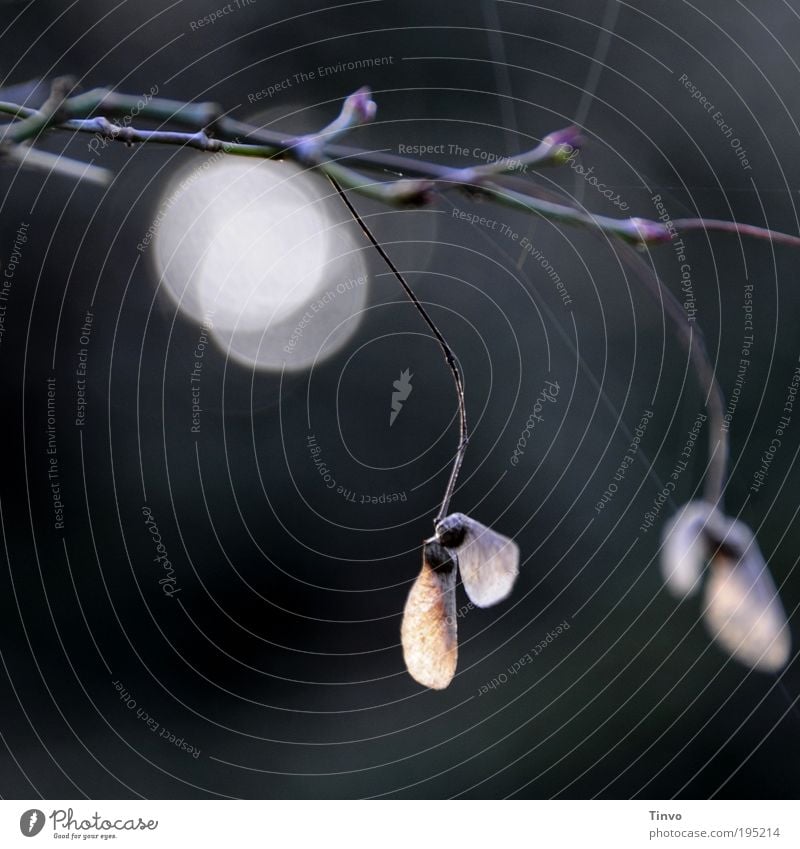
(428, 632)
(685, 548)
(487, 561)
(744, 612)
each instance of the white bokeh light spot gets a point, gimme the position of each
(256, 251)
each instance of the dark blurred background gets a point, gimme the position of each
(277, 655)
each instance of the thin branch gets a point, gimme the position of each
(481, 180)
(682, 225)
(42, 160)
(692, 341)
(16, 138)
(52, 112)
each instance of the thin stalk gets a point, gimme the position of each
(690, 336)
(446, 350)
(685, 224)
(693, 343)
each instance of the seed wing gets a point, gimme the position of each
(685, 545)
(487, 561)
(744, 612)
(428, 632)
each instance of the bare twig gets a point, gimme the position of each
(242, 139)
(693, 342)
(446, 350)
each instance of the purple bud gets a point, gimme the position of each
(415, 192)
(647, 232)
(564, 143)
(359, 107)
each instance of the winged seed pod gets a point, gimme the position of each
(743, 611)
(428, 632)
(488, 563)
